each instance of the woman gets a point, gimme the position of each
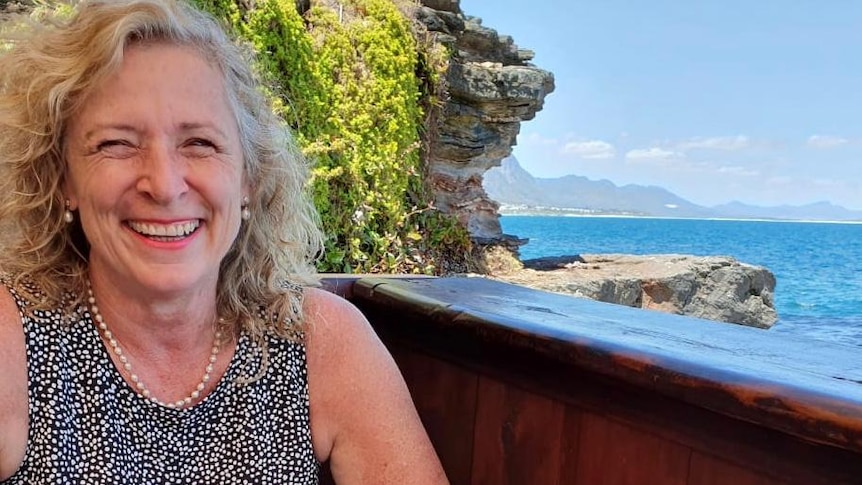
(157, 320)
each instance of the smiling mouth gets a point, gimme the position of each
(165, 232)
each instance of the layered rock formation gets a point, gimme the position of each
(492, 88)
(716, 288)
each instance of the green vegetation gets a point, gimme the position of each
(356, 88)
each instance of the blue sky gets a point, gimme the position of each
(755, 101)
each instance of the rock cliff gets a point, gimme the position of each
(492, 88)
(715, 288)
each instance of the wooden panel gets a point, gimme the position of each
(707, 470)
(743, 443)
(651, 390)
(570, 446)
(760, 449)
(518, 437)
(611, 453)
(445, 397)
(747, 373)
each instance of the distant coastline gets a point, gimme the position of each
(519, 193)
(526, 211)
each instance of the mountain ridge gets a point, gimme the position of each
(520, 192)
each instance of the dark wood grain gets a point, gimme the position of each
(636, 396)
(570, 446)
(755, 447)
(614, 454)
(445, 397)
(777, 381)
(708, 470)
(518, 436)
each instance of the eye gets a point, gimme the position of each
(201, 142)
(116, 148)
(199, 147)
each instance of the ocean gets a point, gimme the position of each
(817, 265)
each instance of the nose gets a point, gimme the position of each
(162, 175)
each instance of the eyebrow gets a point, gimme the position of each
(187, 126)
(108, 126)
(206, 126)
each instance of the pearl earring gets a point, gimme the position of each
(68, 216)
(245, 213)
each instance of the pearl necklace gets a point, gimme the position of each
(140, 387)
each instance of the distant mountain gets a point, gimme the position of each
(518, 191)
(819, 211)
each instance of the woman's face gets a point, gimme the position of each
(155, 171)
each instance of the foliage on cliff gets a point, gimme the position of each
(353, 83)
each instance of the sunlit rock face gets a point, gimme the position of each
(492, 88)
(712, 287)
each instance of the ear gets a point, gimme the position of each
(69, 194)
(247, 190)
(67, 188)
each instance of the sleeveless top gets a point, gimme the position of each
(88, 426)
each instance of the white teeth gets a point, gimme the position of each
(165, 230)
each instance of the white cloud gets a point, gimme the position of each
(729, 143)
(654, 153)
(741, 171)
(826, 141)
(780, 180)
(829, 183)
(591, 149)
(537, 139)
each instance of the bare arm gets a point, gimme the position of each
(362, 417)
(13, 382)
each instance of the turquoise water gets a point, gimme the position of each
(818, 266)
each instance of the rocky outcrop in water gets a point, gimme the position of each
(492, 88)
(715, 287)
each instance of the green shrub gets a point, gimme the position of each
(357, 89)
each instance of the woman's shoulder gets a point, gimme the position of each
(333, 324)
(11, 332)
(363, 419)
(323, 308)
(13, 380)
(10, 320)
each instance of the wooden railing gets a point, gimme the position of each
(517, 386)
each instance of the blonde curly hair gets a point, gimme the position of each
(49, 68)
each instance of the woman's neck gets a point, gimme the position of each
(156, 321)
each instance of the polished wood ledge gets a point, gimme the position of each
(519, 386)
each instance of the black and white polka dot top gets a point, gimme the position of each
(87, 426)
